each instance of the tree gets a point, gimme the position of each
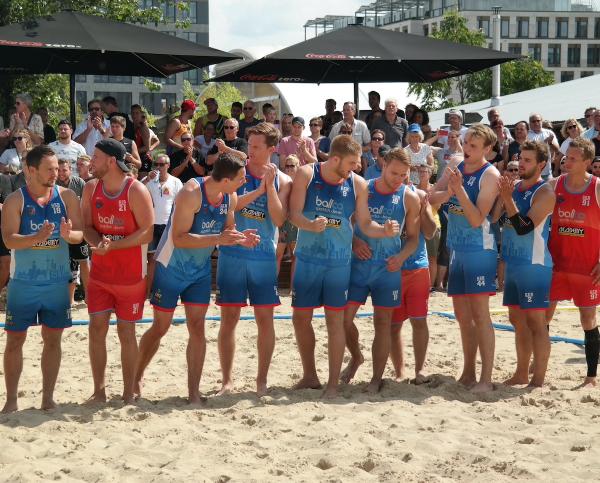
(224, 93)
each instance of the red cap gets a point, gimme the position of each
(188, 105)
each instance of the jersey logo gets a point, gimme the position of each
(471, 180)
(345, 190)
(395, 294)
(585, 200)
(253, 214)
(99, 204)
(529, 297)
(526, 195)
(30, 210)
(135, 308)
(395, 199)
(55, 208)
(481, 281)
(223, 210)
(122, 205)
(593, 294)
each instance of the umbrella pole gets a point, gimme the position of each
(356, 98)
(72, 109)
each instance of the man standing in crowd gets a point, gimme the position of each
(212, 115)
(360, 131)
(145, 139)
(286, 124)
(187, 163)
(83, 167)
(374, 100)
(39, 222)
(249, 120)
(327, 118)
(178, 126)
(528, 205)
(376, 263)
(203, 218)
(594, 129)
(301, 146)
(65, 147)
(117, 127)
(163, 189)
(324, 198)
(78, 253)
(231, 144)
(244, 272)
(236, 110)
(111, 109)
(589, 132)
(538, 133)
(471, 190)
(394, 127)
(93, 129)
(118, 220)
(575, 245)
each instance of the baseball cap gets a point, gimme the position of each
(298, 120)
(455, 112)
(383, 150)
(414, 128)
(188, 105)
(114, 148)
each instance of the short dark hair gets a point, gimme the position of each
(540, 149)
(110, 100)
(270, 133)
(227, 166)
(136, 106)
(237, 104)
(64, 161)
(93, 101)
(35, 156)
(65, 121)
(375, 93)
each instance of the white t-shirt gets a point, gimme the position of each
(443, 135)
(163, 196)
(71, 152)
(10, 157)
(204, 146)
(565, 145)
(420, 158)
(93, 137)
(541, 137)
(360, 132)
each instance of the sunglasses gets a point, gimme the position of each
(18, 138)
(229, 127)
(376, 139)
(159, 164)
(248, 108)
(535, 120)
(185, 139)
(571, 127)
(345, 132)
(513, 170)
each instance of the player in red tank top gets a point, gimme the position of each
(575, 246)
(118, 222)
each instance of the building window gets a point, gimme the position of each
(80, 78)
(165, 81)
(191, 36)
(157, 102)
(193, 15)
(426, 30)
(567, 75)
(523, 27)
(405, 30)
(542, 28)
(193, 76)
(593, 56)
(574, 56)
(123, 98)
(562, 28)
(113, 79)
(505, 27)
(483, 24)
(202, 12)
(597, 29)
(81, 99)
(581, 28)
(169, 12)
(535, 52)
(586, 73)
(514, 49)
(553, 55)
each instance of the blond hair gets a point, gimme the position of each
(397, 154)
(484, 133)
(344, 145)
(585, 146)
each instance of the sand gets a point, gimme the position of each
(435, 432)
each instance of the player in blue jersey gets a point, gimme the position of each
(38, 223)
(202, 218)
(251, 273)
(471, 190)
(324, 198)
(528, 205)
(376, 263)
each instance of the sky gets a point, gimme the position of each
(264, 26)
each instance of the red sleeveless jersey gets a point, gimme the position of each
(112, 217)
(575, 230)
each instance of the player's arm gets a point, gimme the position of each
(297, 200)
(143, 212)
(440, 193)
(476, 213)
(363, 217)
(498, 210)
(89, 232)
(412, 205)
(277, 202)
(134, 158)
(71, 228)
(426, 218)
(11, 222)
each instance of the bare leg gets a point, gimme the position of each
(500, 271)
(352, 343)
(420, 337)
(97, 331)
(381, 347)
(84, 273)
(442, 270)
(196, 349)
(468, 337)
(486, 340)
(149, 344)
(4, 270)
(51, 354)
(13, 366)
(524, 345)
(72, 287)
(265, 344)
(397, 350)
(280, 251)
(229, 319)
(433, 268)
(336, 344)
(305, 339)
(129, 354)
(536, 321)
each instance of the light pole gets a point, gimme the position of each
(495, 101)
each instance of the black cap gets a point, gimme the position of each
(383, 150)
(114, 148)
(298, 120)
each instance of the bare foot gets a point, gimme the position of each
(10, 407)
(400, 377)
(535, 385)
(330, 393)
(128, 397)
(374, 386)
(196, 399)
(47, 405)
(482, 387)
(420, 379)
(98, 397)
(308, 383)
(588, 382)
(516, 380)
(261, 389)
(466, 381)
(137, 389)
(226, 388)
(350, 370)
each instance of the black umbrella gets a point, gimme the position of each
(75, 43)
(365, 54)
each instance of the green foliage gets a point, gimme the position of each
(48, 91)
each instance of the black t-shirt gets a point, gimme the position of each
(129, 128)
(245, 125)
(514, 148)
(238, 144)
(188, 173)
(49, 134)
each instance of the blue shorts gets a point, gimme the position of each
(168, 286)
(240, 278)
(374, 278)
(28, 305)
(527, 286)
(472, 273)
(316, 285)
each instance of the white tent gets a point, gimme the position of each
(557, 102)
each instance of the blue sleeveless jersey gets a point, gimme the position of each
(255, 216)
(337, 203)
(461, 235)
(383, 207)
(46, 262)
(191, 263)
(418, 259)
(532, 248)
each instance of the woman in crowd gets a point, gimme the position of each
(13, 158)
(24, 118)
(496, 157)
(369, 158)
(322, 143)
(570, 130)
(205, 141)
(420, 153)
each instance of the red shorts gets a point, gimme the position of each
(576, 286)
(414, 303)
(127, 301)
